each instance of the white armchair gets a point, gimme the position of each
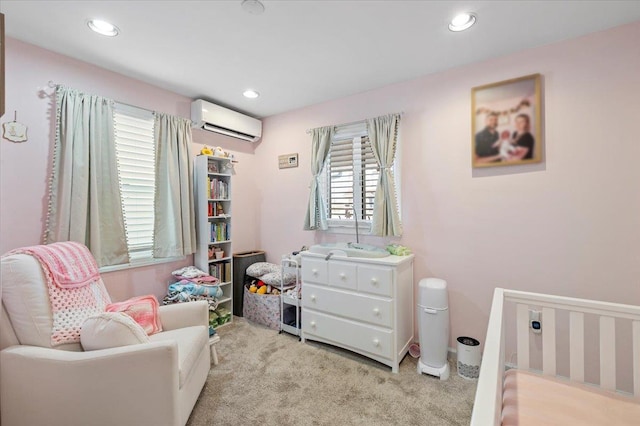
(154, 383)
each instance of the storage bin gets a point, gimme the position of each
(241, 261)
(262, 309)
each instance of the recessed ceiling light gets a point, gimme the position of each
(462, 21)
(253, 7)
(251, 94)
(103, 27)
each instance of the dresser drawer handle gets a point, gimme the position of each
(312, 324)
(314, 272)
(343, 276)
(376, 343)
(376, 312)
(313, 297)
(374, 281)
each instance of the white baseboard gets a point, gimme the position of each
(452, 355)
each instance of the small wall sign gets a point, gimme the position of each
(288, 160)
(14, 131)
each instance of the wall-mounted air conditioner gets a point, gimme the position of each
(215, 118)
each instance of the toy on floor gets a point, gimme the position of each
(259, 287)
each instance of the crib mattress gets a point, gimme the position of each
(530, 399)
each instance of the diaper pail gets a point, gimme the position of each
(433, 327)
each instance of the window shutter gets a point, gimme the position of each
(135, 150)
(341, 180)
(370, 175)
(353, 177)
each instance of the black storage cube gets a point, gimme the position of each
(241, 261)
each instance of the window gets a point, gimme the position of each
(350, 178)
(135, 151)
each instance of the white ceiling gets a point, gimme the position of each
(297, 53)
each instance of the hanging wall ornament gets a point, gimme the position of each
(14, 131)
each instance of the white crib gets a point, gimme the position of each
(487, 409)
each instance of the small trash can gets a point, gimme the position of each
(468, 358)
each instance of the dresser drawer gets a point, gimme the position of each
(348, 334)
(375, 280)
(343, 274)
(314, 270)
(373, 310)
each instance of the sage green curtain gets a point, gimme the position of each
(174, 228)
(84, 194)
(383, 135)
(316, 217)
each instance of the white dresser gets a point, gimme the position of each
(363, 305)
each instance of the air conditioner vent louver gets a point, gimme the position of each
(214, 118)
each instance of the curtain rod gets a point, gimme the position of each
(52, 84)
(401, 113)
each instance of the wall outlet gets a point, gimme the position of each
(535, 323)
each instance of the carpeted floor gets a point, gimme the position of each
(268, 378)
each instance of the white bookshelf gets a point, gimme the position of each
(213, 222)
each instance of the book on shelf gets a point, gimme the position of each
(220, 231)
(221, 271)
(215, 208)
(217, 189)
(227, 271)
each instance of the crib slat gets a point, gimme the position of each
(522, 329)
(636, 358)
(608, 353)
(549, 341)
(576, 346)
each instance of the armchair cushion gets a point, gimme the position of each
(111, 330)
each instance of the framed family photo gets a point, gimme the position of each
(506, 122)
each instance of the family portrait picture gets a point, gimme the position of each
(506, 122)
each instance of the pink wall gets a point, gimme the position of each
(24, 168)
(567, 226)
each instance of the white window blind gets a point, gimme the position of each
(135, 151)
(352, 179)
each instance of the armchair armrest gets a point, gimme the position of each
(182, 315)
(134, 384)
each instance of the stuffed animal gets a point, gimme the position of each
(206, 151)
(219, 152)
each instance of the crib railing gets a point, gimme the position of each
(487, 408)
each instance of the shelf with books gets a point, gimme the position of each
(218, 188)
(219, 208)
(213, 219)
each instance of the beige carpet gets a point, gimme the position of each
(266, 378)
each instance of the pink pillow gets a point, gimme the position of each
(143, 309)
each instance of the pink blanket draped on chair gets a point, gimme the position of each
(75, 288)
